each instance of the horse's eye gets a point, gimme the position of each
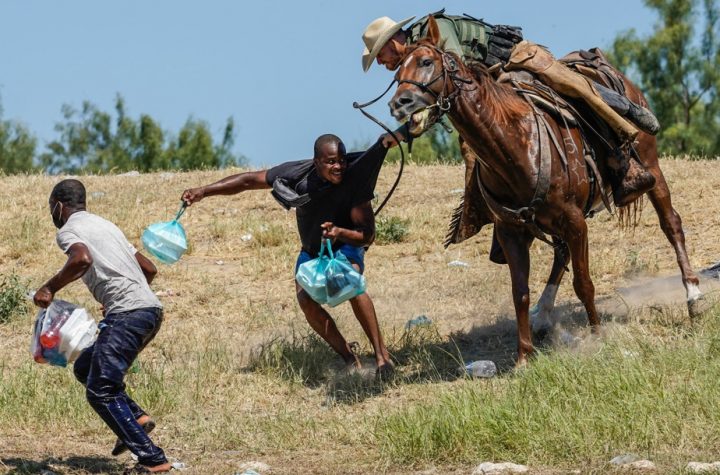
(427, 62)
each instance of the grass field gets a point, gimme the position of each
(235, 376)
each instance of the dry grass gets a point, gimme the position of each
(232, 376)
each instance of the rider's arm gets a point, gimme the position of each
(448, 37)
(228, 186)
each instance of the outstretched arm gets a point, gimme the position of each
(78, 262)
(228, 186)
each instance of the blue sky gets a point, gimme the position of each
(287, 71)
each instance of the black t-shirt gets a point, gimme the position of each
(330, 202)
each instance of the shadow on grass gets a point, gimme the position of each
(58, 466)
(422, 355)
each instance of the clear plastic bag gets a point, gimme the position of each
(343, 282)
(311, 277)
(330, 278)
(61, 332)
(166, 240)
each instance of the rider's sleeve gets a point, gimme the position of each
(449, 38)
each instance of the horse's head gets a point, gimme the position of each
(423, 83)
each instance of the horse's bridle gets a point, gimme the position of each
(449, 73)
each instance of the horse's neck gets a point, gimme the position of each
(492, 119)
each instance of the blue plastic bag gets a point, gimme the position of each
(166, 240)
(330, 278)
(311, 276)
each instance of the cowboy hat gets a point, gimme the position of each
(377, 33)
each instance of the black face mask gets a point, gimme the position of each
(57, 220)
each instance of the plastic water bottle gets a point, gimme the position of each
(419, 321)
(51, 337)
(481, 369)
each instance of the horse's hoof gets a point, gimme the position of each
(699, 306)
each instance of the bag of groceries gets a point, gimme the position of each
(61, 332)
(330, 278)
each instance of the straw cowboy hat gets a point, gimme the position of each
(377, 33)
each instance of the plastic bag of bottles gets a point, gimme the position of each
(166, 240)
(330, 278)
(311, 276)
(343, 281)
(61, 332)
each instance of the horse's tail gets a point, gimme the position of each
(630, 214)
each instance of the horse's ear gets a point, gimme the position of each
(433, 31)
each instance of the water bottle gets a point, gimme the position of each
(481, 369)
(51, 337)
(419, 321)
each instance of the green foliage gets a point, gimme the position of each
(92, 140)
(17, 146)
(435, 146)
(630, 394)
(12, 298)
(678, 68)
(391, 230)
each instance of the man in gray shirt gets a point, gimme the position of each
(118, 277)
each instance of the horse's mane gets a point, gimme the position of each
(503, 104)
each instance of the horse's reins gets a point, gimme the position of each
(408, 138)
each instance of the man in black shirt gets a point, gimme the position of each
(332, 194)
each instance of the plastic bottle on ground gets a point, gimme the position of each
(481, 369)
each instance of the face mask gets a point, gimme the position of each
(57, 220)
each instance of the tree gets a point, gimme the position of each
(92, 140)
(437, 145)
(17, 146)
(678, 68)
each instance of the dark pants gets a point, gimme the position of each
(102, 367)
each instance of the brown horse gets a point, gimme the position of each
(531, 189)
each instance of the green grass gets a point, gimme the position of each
(390, 230)
(656, 398)
(13, 303)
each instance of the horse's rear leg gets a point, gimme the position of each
(671, 224)
(540, 313)
(576, 238)
(516, 246)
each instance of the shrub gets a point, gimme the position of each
(391, 230)
(12, 298)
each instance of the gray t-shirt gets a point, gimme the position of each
(115, 278)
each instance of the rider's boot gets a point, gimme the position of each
(640, 116)
(643, 118)
(632, 180)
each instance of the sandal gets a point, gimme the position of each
(142, 470)
(121, 448)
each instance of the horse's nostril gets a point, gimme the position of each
(404, 101)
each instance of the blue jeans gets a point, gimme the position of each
(101, 369)
(354, 254)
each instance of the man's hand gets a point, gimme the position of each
(388, 141)
(43, 297)
(330, 231)
(193, 195)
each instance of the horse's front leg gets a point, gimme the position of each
(516, 246)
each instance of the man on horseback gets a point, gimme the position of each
(502, 46)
